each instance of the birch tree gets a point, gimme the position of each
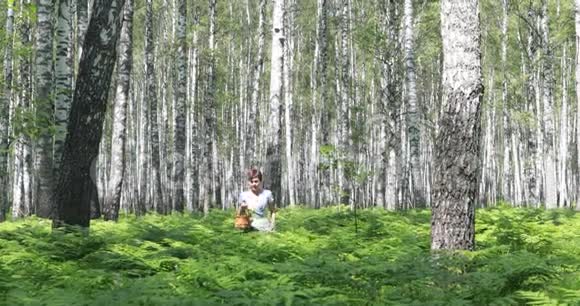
(273, 173)
(44, 110)
(22, 157)
(181, 95)
(111, 204)
(577, 72)
(413, 132)
(63, 78)
(87, 114)
(206, 194)
(318, 85)
(149, 105)
(4, 110)
(457, 143)
(548, 152)
(288, 97)
(252, 131)
(563, 138)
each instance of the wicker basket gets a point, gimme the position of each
(242, 221)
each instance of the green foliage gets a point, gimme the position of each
(523, 257)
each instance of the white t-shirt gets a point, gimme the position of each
(259, 205)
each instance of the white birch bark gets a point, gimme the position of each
(548, 152)
(117, 170)
(149, 96)
(504, 132)
(23, 143)
(288, 97)
(318, 84)
(563, 138)
(577, 73)
(457, 144)
(209, 164)
(45, 179)
(273, 173)
(252, 127)
(4, 114)
(63, 75)
(412, 117)
(150, 102)
(180, 101)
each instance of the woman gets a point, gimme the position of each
(257, 200)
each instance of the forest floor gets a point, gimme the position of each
(523, 256)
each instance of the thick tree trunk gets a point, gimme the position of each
(112, 201)
(75, 184)
(457, 144)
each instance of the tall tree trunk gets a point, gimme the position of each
(342, 143)
(210, 116)
(87, 114)
(548, 152)
(318, 85)
(252, 128)
(22, 205)
(117, 170)
(577, 27)
(150, 104)
(4, 111)
(15, 168)
(457, 144)
(273, 173)
(288, 97)
(413, 132)
(180, 95)
(149, 97)
(63, 75)
(44, 111)
(504, 132)
(563, 141)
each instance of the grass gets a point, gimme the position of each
(523, 257)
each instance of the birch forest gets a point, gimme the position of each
(337, 101)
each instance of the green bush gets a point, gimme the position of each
(522, 257)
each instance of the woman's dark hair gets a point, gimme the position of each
(253, 173)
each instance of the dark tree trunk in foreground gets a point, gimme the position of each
(457, 144)
(75, 183)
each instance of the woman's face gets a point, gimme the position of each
(255, 184)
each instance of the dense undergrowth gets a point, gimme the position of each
(523, 256)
